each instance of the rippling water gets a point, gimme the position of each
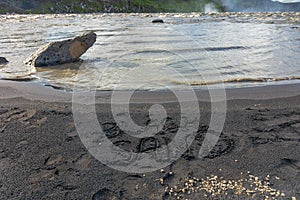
(132, 53)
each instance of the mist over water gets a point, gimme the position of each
(210, 8)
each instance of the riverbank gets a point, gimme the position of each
(41, 155)
(90, 6)
(83, 6)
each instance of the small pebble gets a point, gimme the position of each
(3, 60)
(157, 21)
(161, 181)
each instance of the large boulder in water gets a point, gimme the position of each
(61, 52)
(3, 61)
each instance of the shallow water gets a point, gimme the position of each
(132, 53)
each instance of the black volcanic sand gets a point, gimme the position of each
(42, 157)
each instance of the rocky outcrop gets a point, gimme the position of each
(3, 61)
(61, 52)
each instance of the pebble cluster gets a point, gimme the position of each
(285, 16)
(214, 186)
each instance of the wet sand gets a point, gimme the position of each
(257, 155)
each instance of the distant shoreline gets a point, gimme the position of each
(133, 6)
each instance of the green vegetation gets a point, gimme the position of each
(167, 5)
(189, 6)
(88, 6)
(71, 6)
(4, 10)
(91, 6)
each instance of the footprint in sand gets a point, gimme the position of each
(289, 168)
(20, 115)
(41, 175)
(276, 124)
(105, 193)
(53, 159)
(83, 162)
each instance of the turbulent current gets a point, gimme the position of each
(237, 49)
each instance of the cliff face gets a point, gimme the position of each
(86, 6)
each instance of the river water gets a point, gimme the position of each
(194, 49)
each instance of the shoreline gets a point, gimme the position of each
(42, 156)
(36, 91)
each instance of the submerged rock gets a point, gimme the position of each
(3, 60)
(56, 53)
(157, 21)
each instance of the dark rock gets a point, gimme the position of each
(3, 61)
(61, 52)
(157, 21)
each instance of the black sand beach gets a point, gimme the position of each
(256, 157)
